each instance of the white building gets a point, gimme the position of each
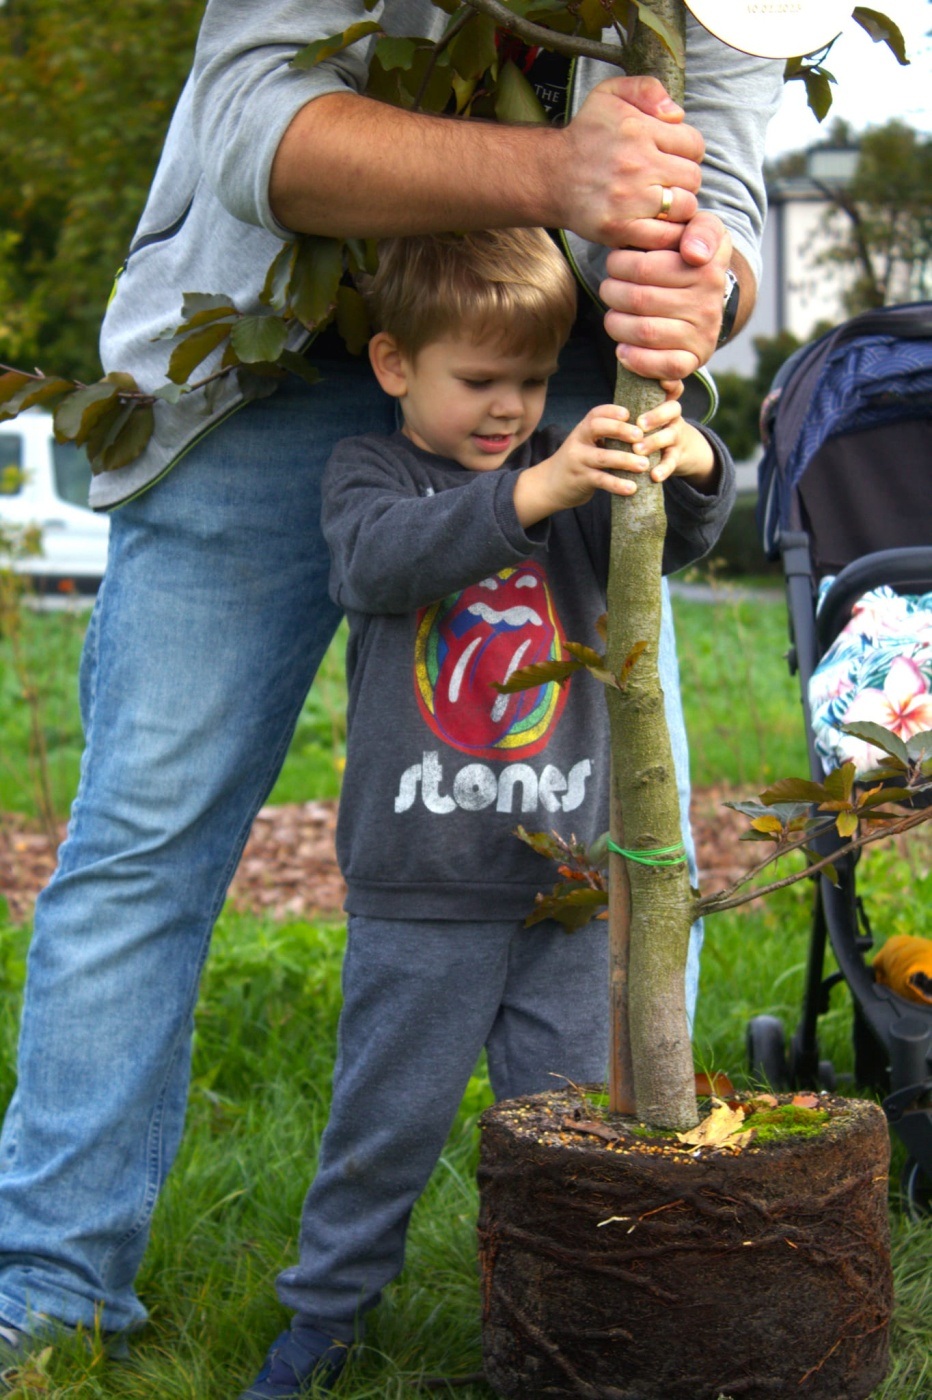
(796, 290)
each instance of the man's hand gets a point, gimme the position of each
(626, 145)
(665, 305)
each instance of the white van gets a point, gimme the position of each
(45, 483)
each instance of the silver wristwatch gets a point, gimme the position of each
(729, 306)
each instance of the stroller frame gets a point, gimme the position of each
(892, 1036)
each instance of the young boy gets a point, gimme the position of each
(466, 545)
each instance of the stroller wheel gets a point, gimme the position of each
(828, 1079)
(916, 1190)
(766, 1047)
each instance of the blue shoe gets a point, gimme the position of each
(296, 1361)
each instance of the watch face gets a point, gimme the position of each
(773, 28)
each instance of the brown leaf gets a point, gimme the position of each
(722, 1128)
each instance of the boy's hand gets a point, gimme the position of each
(684, 451)
(580, 467)
(583, 465)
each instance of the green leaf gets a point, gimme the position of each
(129, 439)
(586, 656)
(670, 38)
(317, 271)
(34, 393)
(326, 48)
(199, 309)
(169, 393)
(258, 338)
(883, 31)
(818, 91)
(840, 782)
(295, 363)
(515, 99)
(882, 795)
(352, 319)
(847, 823)
(12, 383)
(880, 737)
(395, 52)
(104, 430)
(541, 673)
(793, 790)
(573, 910)
(77, 415)
(919, 745)
(275, 288)
(195, 348)
(543, 842)
(474, 50)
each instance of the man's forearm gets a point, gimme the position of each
(352, 167)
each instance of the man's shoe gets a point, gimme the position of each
(296, 1361)
(14, 1345)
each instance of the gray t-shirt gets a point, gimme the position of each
(446, 593)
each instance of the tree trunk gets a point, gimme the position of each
(650, 933)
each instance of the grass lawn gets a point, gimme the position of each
(265, 1040)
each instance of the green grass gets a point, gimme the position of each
(742, 706)
(265, 1035)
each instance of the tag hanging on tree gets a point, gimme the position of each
(773, 30)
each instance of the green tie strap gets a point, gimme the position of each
(662, 855)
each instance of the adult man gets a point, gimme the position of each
(214, 613)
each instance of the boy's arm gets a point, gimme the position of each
(696, 517)
(394, 550)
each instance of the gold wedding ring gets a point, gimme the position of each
(666, 202)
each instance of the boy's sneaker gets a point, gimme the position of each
(296, 1361)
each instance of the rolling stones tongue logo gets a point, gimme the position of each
(482, 635)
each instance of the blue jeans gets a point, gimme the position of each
(205, 637)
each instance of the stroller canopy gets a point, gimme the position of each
(833, 403)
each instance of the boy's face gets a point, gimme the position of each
(471, 402)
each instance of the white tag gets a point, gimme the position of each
(773, 28)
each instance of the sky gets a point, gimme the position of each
(872, 87)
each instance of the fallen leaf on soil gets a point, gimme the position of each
(718, 1086)
(806, 1101)
(599, 1130)
(722, 1128)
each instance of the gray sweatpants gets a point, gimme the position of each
(420, 1001)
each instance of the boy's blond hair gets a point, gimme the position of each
(512, 286)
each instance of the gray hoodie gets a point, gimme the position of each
(208, 227)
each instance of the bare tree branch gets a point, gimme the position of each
(535, 34)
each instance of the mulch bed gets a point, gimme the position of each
(289, 868)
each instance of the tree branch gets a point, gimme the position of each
(714, 904)
(536, 34)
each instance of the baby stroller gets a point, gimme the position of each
(846, 491)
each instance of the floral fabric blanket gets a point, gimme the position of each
(878, 668)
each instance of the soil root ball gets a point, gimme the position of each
(618, 1266)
